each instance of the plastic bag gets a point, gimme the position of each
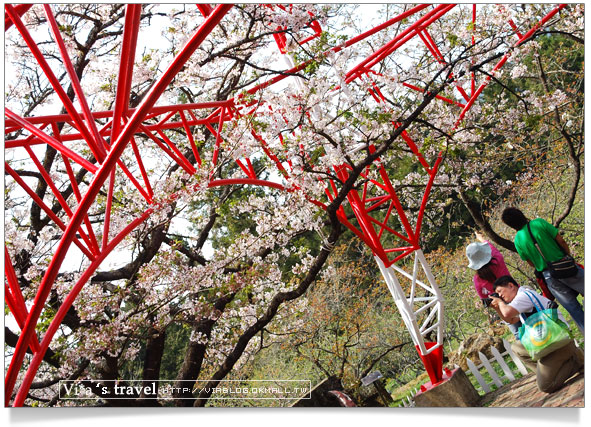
(543, 333)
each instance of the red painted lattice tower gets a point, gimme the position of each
(124, 124)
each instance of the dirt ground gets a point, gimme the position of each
(523, 393)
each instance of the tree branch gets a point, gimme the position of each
(478, 215)
(571, 151)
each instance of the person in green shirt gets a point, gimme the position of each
(554, 248)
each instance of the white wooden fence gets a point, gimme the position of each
(498, 358)
(474, 370)
(488, 364)
(408, 401)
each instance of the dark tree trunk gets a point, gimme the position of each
(154, 352)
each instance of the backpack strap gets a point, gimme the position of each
(522, 316)
(529, 295)
(536, 243)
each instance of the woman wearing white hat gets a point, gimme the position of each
(489, 265)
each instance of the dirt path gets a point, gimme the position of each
(524, 393)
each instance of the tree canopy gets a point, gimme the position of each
(216, 275)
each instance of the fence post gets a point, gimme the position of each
(477, 375)
(516, 359)
(490, 370)
(486, 363)
(499, 358)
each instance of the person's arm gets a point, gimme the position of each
(507, 313)
(496, 308)
(480, 237)
(562, 243)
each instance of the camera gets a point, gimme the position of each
(494, 294)
(486, 301)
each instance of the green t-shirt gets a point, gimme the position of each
(545, 233)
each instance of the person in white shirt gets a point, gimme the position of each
(553, 369)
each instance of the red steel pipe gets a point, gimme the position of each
(45, 208)
(503, 60)
(380, 27)
(20, 10)
(191, 139)
(97, 140)
(52, 141)
(128, 46)
(117, 148)
(75, 188)
(107, 223)
(424, 22)
(426, 194)
(13, 281)
(443, 98)
(14, 297)
(62, 311)
(383, 51)
(362, 217)
(155, 111)
(184, 162)
(91, 239)
(142, 168)
(160, 144)
(205, 9)
(53, 80)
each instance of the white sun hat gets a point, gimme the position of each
(478, 254)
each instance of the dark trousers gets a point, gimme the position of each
(554, 369)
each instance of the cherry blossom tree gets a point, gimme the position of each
(218, 265)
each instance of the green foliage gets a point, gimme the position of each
(464, 312)
(453, 39)
(175, 344)
(312, 67)
(350, 323)
(45, 319)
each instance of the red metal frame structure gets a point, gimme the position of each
(125, 123)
